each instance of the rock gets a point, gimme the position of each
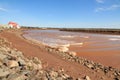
(3, 73)
(29, 65)
(87, 78)
(90, 66)
(44, 78)
(21, 62)
(63, 49)
(117, 73)
(36, 60)
(50, 50)
(69, 78)
(105, 69)
(102, 78)
(2, 56)
(53, 74)
(3, 49)
(17, 77)
(1, 63)
(72, 53)
(116, 78)
(12, 63)
(34, 64)
(61, 70)
(59, 78)
(37, 66)
(78, 79)
(20, 54)
(110, 68)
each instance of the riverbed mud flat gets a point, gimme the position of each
(101, 48)
(51, 60)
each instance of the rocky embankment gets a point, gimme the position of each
(108, 71)
(14, 66)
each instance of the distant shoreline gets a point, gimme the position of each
(93, 30)
(86, 30)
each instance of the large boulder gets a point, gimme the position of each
(12, 63)
(72, 53)
(63, 49)
(3, 72)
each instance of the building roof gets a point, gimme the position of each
(13, 23)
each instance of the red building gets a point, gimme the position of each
(13, 25)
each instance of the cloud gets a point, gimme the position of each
(112, 7)
(100, 1)
(115, 6)
(3, 9)
(99, 9)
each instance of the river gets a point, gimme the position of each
(97, 47)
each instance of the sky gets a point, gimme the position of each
(62, 13)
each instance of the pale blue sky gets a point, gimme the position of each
(62, 13)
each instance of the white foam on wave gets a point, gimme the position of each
(113, 36)
(77, 43)
(65, 45)
(67, 36)
(84, 36)
(114, 39)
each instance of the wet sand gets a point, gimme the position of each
(97, 47)
(108, 58)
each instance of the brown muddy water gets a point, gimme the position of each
(97, 47)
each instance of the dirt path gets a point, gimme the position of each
(49, 60)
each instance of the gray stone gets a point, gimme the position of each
(72, 53)
(63, 49)
(1, 63)
(59, 78)
(78, 79)
(53, 74)
(116, 78)
(3, 72)
(44, 78)
(90, 66)
(21, 62)
(17, 77)
(19, 53)
(37, 66)
(36, 60)
(2, 56)
(12, 63)
(3, 49)
(87, 78)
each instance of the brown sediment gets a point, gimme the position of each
(49, 60)
(108, 58)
